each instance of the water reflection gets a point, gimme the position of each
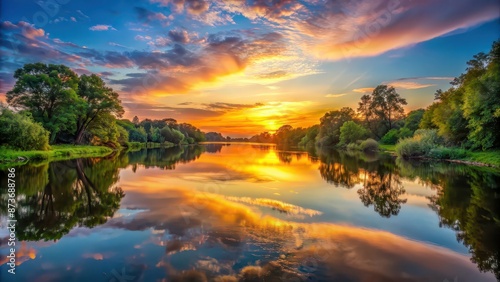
(467, 201)
(382, 187)
(257, 220)
(61, 195)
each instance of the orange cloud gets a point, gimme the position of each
(343, 30)
(366, 90)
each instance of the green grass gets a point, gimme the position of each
(389, 148)
(488, 157)
(9, 157)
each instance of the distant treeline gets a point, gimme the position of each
(55, 105)
(466, 116)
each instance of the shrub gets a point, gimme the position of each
(351, 132)
(19, 131)
(353, 147)
(391, 137)
(369, 145)
(404, 132)
(409, 147)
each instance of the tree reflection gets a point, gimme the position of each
(165, 158)
(381, 184)
(467, 201)
(54, 198)
(382, 190)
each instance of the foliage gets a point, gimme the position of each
(351, 132)
(382, 109)
(264, 137)
(49, 92)
(98, 104)
(445, 153)
(391, 137)
(481, 101)
(172, 135)
(330, 124)
(423, 141)
(369, 145)
(309, 138)
(56, 153)
(413, 119)
(214, 136)
(104, 131)
(19, 131)
(466, 114)
(408, 148)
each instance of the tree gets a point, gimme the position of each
(351, 132)
(330, 123)
(426, 121)
(482, 101)
(282, 133)
(104, 131)
(172, 135)
(135, 121)
(49, 93)
(364, 108)
(99, 101)
(387, 105)
(413, 119)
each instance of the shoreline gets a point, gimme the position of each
(13, 158)
(470, 160)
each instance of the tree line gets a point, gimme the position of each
(466, 116)
(52, 104)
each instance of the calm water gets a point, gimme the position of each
(247, 212)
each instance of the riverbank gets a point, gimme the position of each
(487, 158)
(9, 157)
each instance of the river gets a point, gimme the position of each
(252, 212)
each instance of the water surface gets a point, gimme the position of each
(253, 212)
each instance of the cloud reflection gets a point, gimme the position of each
(320, 250)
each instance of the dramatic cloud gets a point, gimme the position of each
(101, 27)
(346, 29)
(23, 43)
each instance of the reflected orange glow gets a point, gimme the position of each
(23, 254)
(348, 250)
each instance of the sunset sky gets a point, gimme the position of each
(241, 67)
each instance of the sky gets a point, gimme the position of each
(241, 67)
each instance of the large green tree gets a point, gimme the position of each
(99, 102)
(49, 92)
(482, 100)
(387, 106)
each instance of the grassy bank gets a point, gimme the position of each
(9, 157)
(388, 148)
(487, 158)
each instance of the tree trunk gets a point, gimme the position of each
(79, 136)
